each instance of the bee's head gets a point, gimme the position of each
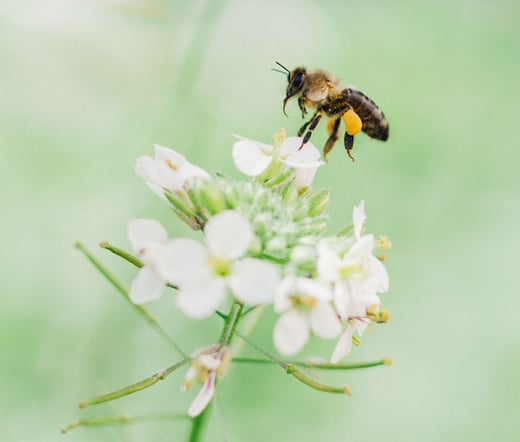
(296, 79)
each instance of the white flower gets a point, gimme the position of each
(305, 307)
(344, 344)
(252, 158)
(357, 276)
(205, 274)
(148, 239)
(168, 170)
(207, 364)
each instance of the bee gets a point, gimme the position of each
(322, 91)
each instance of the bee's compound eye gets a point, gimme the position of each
(297, 81)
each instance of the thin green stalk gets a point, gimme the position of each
(198, 424)
(320, 365)
(122, 254)
(138, 386)
(143, 311)
(126, 256)
(118, 420)
(292, 370)
(231, 323)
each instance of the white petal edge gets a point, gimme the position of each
(324, 321)
(377, 270)
(253, 281)
(250, 157)
(204, 397)
(343, 346)
(291, 333)
(142, 232)
(228, 235)
(201, 299)
(165, 153)
(183, 261)
(359, 217)
(146, 286)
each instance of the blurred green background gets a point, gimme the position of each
(86, 87)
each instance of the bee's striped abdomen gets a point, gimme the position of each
(374, 121)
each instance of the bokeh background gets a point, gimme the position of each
(86, 87)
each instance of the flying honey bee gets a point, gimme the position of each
(322, 91)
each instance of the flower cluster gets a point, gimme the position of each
(264, 243)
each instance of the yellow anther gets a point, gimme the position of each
(171, 164)
(352, 122)
(384, 243)
(279, 137)
(307, 302)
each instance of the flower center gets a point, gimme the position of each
(221, 266)
(303, 302)
(172, 165)
(347, 271)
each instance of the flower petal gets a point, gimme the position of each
(303, 176)
(251, 158)
(204, 397)
(343, 346)
(360, 250)
(162, 153)
(293, 151)
(328, 263)
(228, 235)
(158, 173)
(324, 321)
(377, 270)
(281, 299)
(359, 218)
(202, 298)
(143, 232)
(253, 281)
(183, 261)
(291, 333)
(146, 286)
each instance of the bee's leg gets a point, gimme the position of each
(312, 125)
(301, 104)
(302, 129)
(334, 135)
(348, 140)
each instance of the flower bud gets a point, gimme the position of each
(303, 256)
(318, 202)
(211, 198)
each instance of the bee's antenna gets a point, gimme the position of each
(285, 70)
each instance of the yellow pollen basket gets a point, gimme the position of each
(352, 122)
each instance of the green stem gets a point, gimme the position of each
(229, 330)
(198, 424)
(320, 365)
(143, 311)
(122, 254)
(230, 326)
(293, 371)
(138, 386)
(126, 256)
(117, 420)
